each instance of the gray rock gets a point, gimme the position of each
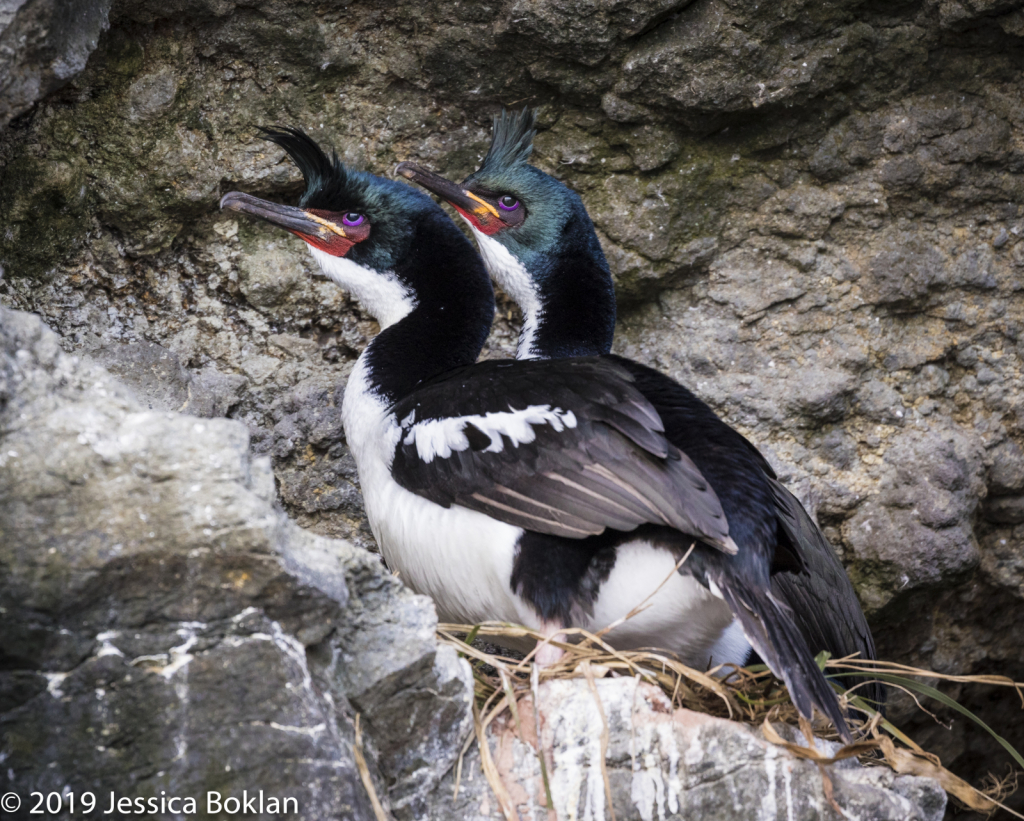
(43, 44)
(880, 403)
(166, 628)
(652, 147)
(801, 211)
(918, 529)
(1005, 510)
(160, 382)
(584, 30)
(751, 284)
(1007, 472)
(822, 395)
(905, 269)
(664, 764)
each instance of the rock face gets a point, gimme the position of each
(813, 213)
(664, 764)
(43, 44)
(167, 630)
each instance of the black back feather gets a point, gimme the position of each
(319, 171)
(512, 141)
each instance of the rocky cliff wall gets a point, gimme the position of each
(813, 212)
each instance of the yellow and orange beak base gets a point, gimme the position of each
(481, 214)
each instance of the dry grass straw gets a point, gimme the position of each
(364, 774)
(750, 695)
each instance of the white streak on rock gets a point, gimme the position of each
(769, 805)
(53, 683)
(106, 648)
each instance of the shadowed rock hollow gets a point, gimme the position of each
(813, 213)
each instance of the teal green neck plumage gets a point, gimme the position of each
(572, 312)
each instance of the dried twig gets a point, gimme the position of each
(364, 774)
(605, 735)
(535, 691)
(491, 773)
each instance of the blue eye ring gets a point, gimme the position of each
(508, 203)
(352, 219)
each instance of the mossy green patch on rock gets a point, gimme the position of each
(43, 212)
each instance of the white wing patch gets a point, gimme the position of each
(442, 437)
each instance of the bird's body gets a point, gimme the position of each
(539, 244)
(477, 568)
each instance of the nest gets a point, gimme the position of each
(751, 695)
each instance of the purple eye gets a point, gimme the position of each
(353, 219)
(508, 203)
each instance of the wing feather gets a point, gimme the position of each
(562, 525)
(822, 599)
(565, 447)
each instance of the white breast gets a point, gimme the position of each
(381, 293)
(460, 558)
(514, 279)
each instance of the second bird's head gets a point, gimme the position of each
(537, 241)
(386, 243)
(508, 201)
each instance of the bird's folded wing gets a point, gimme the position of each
(769, 627)
(822, 598)
(564, 447)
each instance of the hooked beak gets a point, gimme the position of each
(296, 220)
(463, 201)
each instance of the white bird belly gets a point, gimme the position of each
(460, 558)
(683, 617)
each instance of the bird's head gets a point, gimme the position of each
(379, 239)
(536, 237)
(529, 212)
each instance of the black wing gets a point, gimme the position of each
(825, 607)
(770, 627)
(808, 604)
(563, 447)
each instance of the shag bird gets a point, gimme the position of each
(537, 491)
(540, 246)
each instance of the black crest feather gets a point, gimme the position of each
(318, 170)
(512, 142)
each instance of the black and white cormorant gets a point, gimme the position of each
(541, 492)
(540, 246)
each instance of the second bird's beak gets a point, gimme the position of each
(457, 196)
(288, 217)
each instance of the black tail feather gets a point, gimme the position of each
(769, 627)
(818, 592)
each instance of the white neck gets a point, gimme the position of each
(514, 280)
(382, 294)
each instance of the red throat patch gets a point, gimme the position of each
(336, 246)
(486, 224)
(336, 240)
